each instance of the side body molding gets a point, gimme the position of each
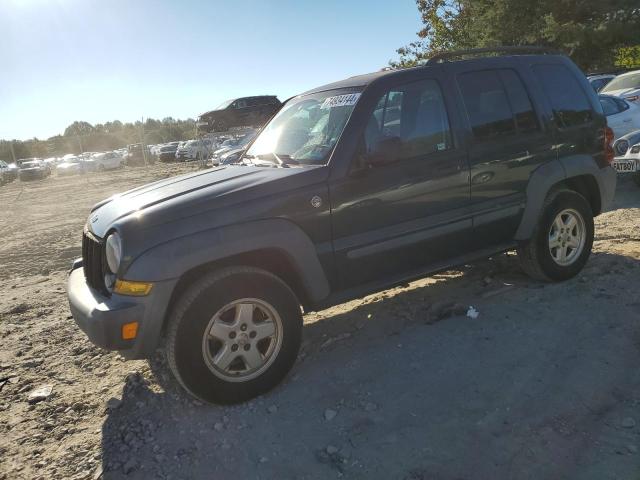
(174, 258)
(549, 174)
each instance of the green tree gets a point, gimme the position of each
(590, 31)
(628, 57)
(78, 128)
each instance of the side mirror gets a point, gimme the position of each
(384, 152)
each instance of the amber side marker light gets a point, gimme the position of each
(129, 330)
(135, 289)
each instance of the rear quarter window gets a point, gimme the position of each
(568, 100)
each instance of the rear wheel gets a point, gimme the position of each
(562, 240)
(234, 335)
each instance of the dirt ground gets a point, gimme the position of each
(543, 384)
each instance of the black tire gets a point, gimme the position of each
(191, 316)
(535, 256)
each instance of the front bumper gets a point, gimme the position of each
(31, 175)
(167, 156)
(101, 318)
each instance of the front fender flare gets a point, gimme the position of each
(172, 259)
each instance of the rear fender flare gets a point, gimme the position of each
(554, 172)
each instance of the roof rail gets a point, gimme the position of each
(507, 50)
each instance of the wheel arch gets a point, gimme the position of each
(579, 173)
(275, 245)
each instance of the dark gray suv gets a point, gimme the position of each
(352, 187)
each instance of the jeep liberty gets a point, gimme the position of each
(351, 188)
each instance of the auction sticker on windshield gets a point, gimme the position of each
(340, 101)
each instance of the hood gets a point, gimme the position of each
(177, 197)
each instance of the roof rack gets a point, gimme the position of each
(508, 50)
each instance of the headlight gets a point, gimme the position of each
(113, 252)
(622, 146)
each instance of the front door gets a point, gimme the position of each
(390, 219)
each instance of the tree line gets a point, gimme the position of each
(83, 137)
(597, 34)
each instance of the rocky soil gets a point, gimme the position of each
(544, 383)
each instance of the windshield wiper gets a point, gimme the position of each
(281, 159)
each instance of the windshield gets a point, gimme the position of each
(307, 128)
(623, 82)
(225, 104)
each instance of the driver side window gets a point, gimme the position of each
(416, 115)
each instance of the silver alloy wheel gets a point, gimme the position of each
(242, 340)
(567, 236)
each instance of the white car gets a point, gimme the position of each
(623, 117)
(107, 161)
(629, 163)
(193, 150)
(71, 166)
(625, 86)
(598, 82)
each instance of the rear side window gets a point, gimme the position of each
(569, 102)
(497, 103)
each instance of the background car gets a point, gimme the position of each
(34, 169)
(7, 174)
(167, 152)
(107, 161)
(239, 112)
(598, 82)
(622, 144)
(625, 86)
(233, 154)
(71, 166)
(193, 150)
(136, 155)
(622, 116)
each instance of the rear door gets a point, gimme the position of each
(395, 218)
(508, 139)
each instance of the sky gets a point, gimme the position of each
(93, 60)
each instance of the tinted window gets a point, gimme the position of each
(599, 83)
(609, 106)
(519, 101)
(416, 114)
(487, 104)
(569, 101)
(622, 105)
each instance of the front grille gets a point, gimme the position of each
(93, 261)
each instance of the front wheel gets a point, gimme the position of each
(562, 240)
(234, 335)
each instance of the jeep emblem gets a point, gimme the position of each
(316, 201)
